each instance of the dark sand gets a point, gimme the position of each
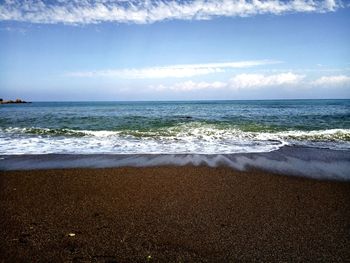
(171, 214)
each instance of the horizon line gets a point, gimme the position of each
(183, 100)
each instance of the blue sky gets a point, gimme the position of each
(174, 50)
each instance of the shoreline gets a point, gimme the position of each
(172, 214)
(316, 163)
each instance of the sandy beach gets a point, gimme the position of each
(171, 214)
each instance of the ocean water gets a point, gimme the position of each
(196, 127)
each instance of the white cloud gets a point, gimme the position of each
(173, 71)
(240, 81)
(246, 81)
(190, 86)
(339, 80)
(149, 11)
(259, 81)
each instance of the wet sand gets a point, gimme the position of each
(171, 214)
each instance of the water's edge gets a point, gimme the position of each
(297, 161)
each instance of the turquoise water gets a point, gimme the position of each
(207, 127)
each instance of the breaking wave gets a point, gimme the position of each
(190, 137)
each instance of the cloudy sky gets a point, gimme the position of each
(174, 50)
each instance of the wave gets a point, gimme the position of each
(193, 137)
(197, 129)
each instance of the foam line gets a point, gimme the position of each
(297, 161)
(188, 138)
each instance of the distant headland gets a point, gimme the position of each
(12, 101)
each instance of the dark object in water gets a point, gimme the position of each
(12, 101)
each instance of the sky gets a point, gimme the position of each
(78, 50)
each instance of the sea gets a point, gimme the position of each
(196, 130)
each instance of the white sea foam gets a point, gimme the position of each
(187, 138)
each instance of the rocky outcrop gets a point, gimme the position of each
(12, 101)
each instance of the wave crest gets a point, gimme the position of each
(193, 137)
(195, 129)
